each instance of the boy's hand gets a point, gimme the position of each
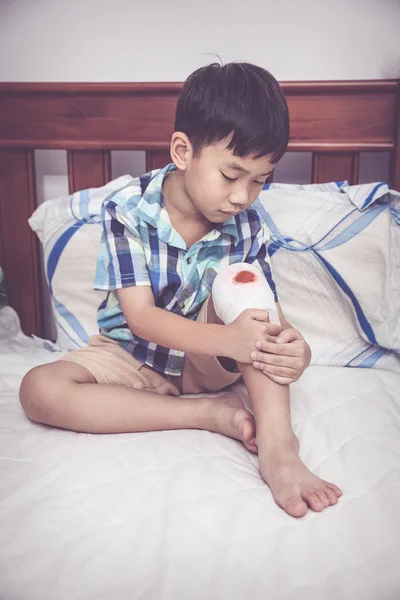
(249, 327)
(285, 358)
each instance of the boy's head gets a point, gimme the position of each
(233, 114)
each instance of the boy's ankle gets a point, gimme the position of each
(271, 443)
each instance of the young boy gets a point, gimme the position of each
(165, 238)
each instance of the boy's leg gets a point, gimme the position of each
(293, 486)
(212, 374)
(65, 394)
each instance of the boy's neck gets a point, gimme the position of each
(179, 206)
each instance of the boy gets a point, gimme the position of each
(165, 238)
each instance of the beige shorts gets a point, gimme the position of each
(109, 363)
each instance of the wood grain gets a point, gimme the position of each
(395, 156)
(19, 251)
(157, 159)
(88, 168)
(329, 116)
(328, 167)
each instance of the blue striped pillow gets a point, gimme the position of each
(70, 229)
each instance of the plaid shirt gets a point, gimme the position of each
(139, 246)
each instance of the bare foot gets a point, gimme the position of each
(226, 414)
(293, 486)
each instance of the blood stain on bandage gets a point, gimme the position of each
(244, 277)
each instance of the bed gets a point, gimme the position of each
(185, 514)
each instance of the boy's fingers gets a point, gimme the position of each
(273, 329)
(258, 314)
(280, 371)
(274, 348)
(276, 360)
(288, 335)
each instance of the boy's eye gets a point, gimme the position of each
(235, 179)
(227, 178)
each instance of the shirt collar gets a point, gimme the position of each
(230, 227)
(152, 210)
(151, 204)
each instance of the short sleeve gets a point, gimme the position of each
(121, 259)
(259, 255)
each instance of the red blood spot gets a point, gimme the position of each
(244, 277)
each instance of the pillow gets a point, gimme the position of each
(69, 229)
(335, 257)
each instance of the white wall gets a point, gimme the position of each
(164, 40)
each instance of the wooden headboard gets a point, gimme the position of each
(334, 120)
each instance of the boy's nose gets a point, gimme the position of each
(238, 200)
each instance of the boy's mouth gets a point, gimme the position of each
(230, 214)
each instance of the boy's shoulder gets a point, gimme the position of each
(141, 196)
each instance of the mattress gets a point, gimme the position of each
(184, 514)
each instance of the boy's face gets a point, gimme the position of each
(221, 185)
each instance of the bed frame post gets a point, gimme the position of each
(395, 158)
(88, 168)
(330, 166)
(157, 159)
(19, 250)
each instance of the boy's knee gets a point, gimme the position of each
(239, 287)
(37, 390)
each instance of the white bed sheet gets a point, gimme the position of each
(185, 514)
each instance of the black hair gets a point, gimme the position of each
(237, 101)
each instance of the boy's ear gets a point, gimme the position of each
(181, 150)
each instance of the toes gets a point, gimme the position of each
(251, 445)
(252, 449)
(314, 502)
(247, 431)
(338, 492)
(331, 496)
(294, 506)
(323, 497)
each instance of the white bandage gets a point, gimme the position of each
(241, 286)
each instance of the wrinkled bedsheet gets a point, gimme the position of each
(185, 515)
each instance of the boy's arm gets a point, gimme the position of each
(167, 329)
(286, 359)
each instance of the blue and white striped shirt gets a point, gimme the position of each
(139, 246)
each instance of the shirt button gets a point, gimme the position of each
(189, 260)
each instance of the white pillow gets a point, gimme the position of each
(69, 229)
(354, 229)
(335, 258)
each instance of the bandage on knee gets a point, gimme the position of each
(241, 286)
